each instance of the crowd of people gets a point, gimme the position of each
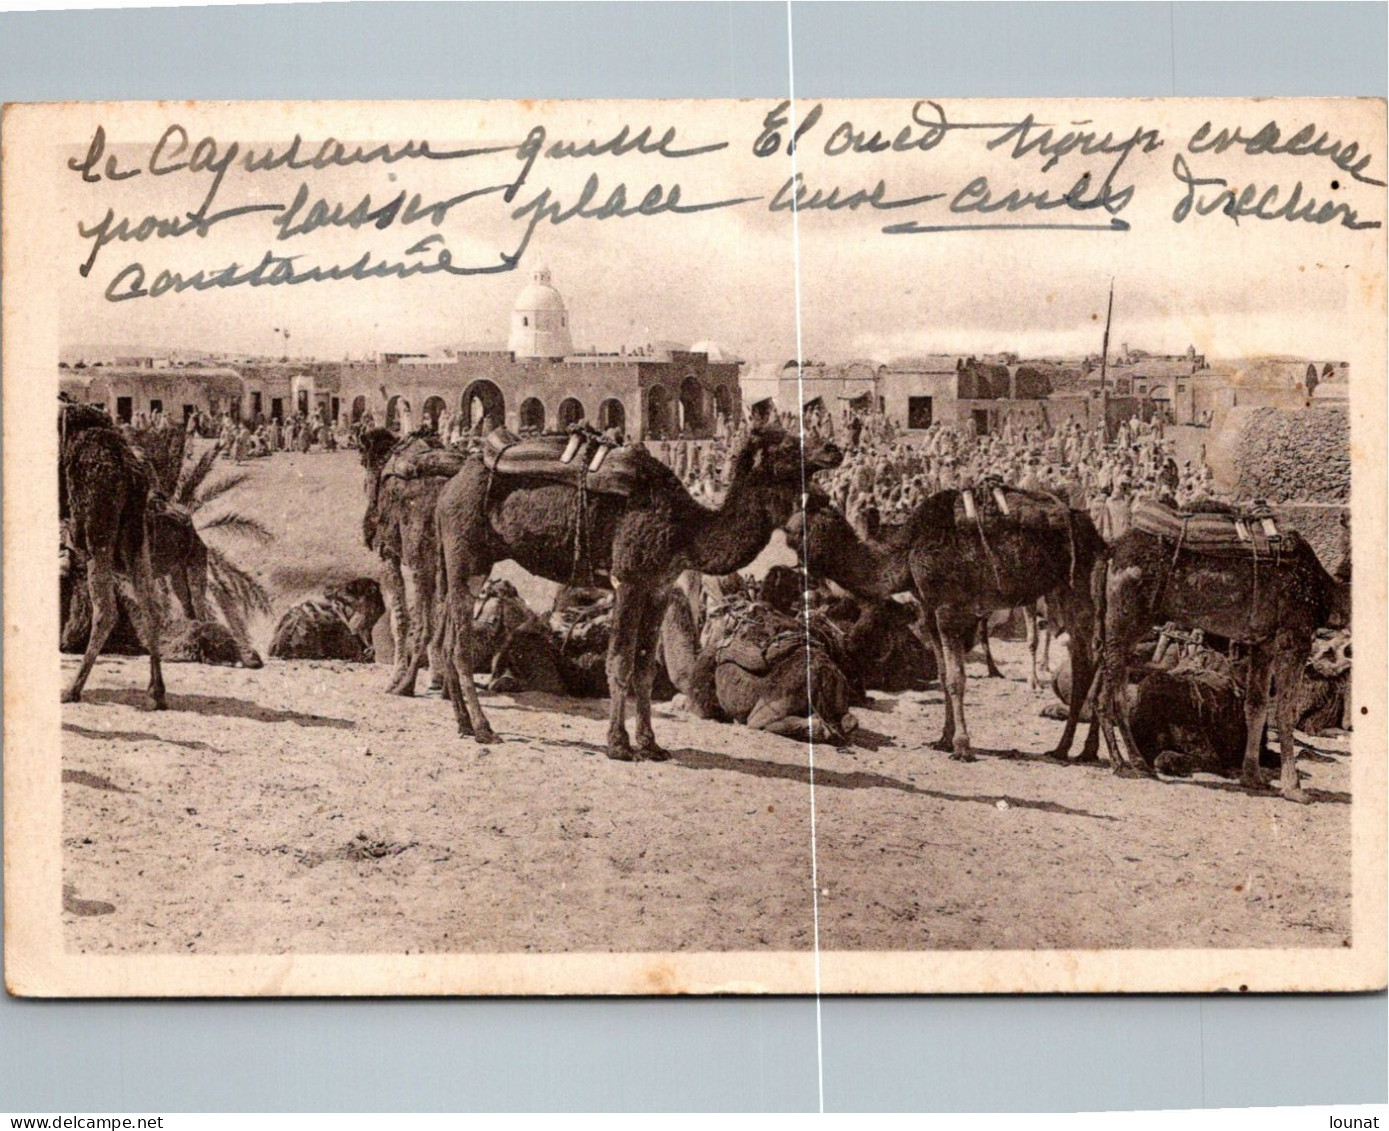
(892, 472)
(258, 436)
(887, 470)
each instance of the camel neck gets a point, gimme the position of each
(871, 569)
(729, 538)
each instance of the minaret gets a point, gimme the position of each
(539, 321)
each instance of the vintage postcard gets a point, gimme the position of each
(694, 547)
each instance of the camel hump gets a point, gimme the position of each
(579, 459)
(1226, 530)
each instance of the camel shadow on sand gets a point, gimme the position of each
(1226, 785)
(224, 705)
(692, 759)
(544, 703)
(137, 736)
(858, 779)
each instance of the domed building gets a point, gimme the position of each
(539, 322)
(658, 391)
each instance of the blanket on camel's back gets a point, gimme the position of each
(757, 637)
(993, 505)
(581, 458)
(1215, 528)
(423, 457)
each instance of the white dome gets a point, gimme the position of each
(539, 321)
(539, 295)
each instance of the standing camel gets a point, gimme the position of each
(960, 571)
(399, 528)
(103, 498)
(1273, 604)
(641, 539)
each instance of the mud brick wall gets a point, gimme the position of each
(1284, 456)
(1326, 526)
(1298, 460)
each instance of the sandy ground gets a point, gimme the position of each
(299, 809)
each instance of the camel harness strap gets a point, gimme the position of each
(1161, 589)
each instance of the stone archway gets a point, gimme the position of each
(359, 408)
(692, 411)
(612, 413)
(483, 406)
(434, 409)
(397, 413)
(571, 411)
(658, 414)
(532, 414)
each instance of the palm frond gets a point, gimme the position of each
(230, 583)
(233, 522)
(220, 488)
(231, 612)
(192, 476)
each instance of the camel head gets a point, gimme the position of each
(773, 456)
(828, 547)
(361, 605)
(816, 525)
(776, 465)
(1330, 658)
(377, 444)
(74, 417)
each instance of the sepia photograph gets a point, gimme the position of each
(781, 546)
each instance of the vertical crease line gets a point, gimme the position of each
(805, 595)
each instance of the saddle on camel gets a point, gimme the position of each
(1233, 573)
(582, 458)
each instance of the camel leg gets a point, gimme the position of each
(183, 593)
(946, 741)
(1038, 646)
(461, 687)
(1289, 660)
(1123, 616)
(417, 634)
(429, 610)
(1256, 716)
(1082, 626)
(1029, 620)
(779, 716)
(101, 590)
(628, 606)
(451, 689)
(142, 600)
(954, 636)
(644, 675)
(1099, 723)
(397, 608)
(990, 668)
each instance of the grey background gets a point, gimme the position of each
(1038, 1054)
